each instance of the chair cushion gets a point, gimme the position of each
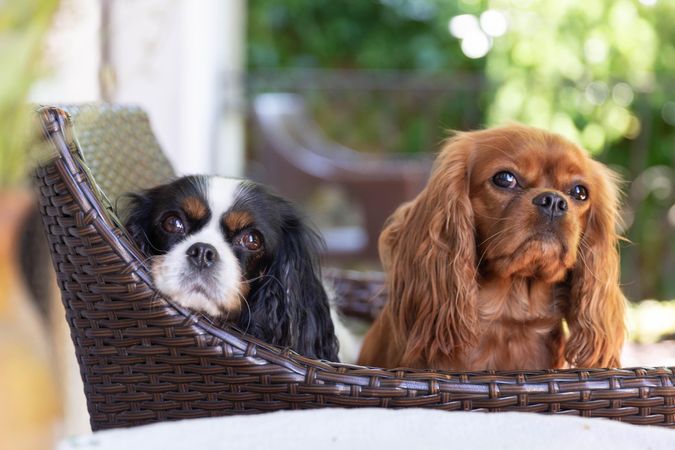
(119, 147)
(336, 428)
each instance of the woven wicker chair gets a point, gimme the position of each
(144, 359)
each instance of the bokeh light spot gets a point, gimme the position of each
(595, 50)
(593, 137)
(622, 94)
(563, 124)
(618, 119)
(493, 23)
(476, 45)
(668, 112)
(596, 92)
(671, 216)
(634, 128)
(463, 25)
(655, 180)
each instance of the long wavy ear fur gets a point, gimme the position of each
(290, 308)
(597, 306)
(138, 220)
(428, 250)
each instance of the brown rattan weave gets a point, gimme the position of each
(143, 359)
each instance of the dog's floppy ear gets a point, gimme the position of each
(138, 221)
(597, 306)
(428, 249)
(290, 307)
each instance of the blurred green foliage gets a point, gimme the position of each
(372, 34)
(574, 67)
(23, 24)
(375, 111)
(600, 72)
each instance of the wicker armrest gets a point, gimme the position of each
(144, 359)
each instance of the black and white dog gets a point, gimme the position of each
(233, 250)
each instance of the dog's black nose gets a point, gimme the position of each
(550, 204)
(202, 255)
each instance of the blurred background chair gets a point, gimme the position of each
(297, 159)
(120, 147)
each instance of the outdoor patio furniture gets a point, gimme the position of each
(297, 158)
(144, 359)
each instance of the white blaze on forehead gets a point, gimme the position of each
(222, 194)
(173, 274)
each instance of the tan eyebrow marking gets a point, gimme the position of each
(236, 220)
(195, 208)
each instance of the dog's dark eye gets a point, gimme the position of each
(173, 224)
(505, 180)
(252, 240)
(579, 192)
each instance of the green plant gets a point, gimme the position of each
(389, 44)
(23, 24)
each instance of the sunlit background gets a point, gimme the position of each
(339, 105)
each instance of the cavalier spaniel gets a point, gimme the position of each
(231, 249)
(506, 260)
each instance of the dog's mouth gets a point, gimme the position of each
(207, 295)
(203, 284)
(544, 254)
(550, 238)
(542, 240)
(200, 289)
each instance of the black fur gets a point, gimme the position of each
(290, 304)
(287, 304)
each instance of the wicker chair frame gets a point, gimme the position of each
(144, 359)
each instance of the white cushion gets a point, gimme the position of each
(372, 428)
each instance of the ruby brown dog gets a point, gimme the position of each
(513, 236)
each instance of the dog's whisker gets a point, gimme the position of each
(499, 233)
(489, 246)
(248, 308)
(149, 243)
(499, 219)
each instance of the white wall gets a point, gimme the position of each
(229, 156)
(169, 57)
(72, 55)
